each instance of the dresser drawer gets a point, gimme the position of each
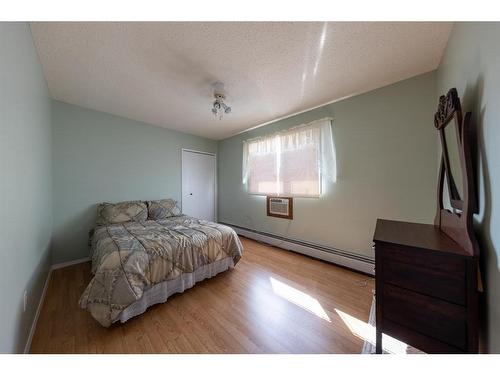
(429, 316)
(433, 275)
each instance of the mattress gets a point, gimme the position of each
(137, 264)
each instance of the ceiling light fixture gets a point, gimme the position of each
(219, 107)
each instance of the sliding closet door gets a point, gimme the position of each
(199, 184)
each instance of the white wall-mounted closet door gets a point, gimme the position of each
(199, 179)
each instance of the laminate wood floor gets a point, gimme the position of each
(273, 301)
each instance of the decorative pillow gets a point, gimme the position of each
(162, 209)
(121, 212)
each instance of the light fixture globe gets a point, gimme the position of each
(219, 107)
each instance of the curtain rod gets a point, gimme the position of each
(293, 127)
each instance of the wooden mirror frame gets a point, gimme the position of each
(457, 225)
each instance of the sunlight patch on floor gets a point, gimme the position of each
(366, 332)
(299, 298)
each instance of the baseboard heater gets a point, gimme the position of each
(340, 257)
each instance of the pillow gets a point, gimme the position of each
(121, 212)
(162, 209)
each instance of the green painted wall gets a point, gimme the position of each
(100, 157)
(471, 63)
(386, 161)
(25, 183)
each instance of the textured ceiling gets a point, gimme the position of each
(161, 73)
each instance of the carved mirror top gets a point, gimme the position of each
(448, 106)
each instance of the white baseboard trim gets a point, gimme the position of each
(27, 347)
(338, 257)
(70, 263)
(57, 266)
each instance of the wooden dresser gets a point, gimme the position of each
(426, 288)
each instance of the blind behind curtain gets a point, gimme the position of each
(290, 163)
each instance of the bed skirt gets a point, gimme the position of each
(159, 293)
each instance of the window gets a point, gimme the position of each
(289, 163)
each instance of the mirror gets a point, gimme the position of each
(454, 168)
(456, 195)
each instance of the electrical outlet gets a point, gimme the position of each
(25, 300)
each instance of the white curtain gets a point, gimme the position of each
(294, 162)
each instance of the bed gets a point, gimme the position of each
(140, 257)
